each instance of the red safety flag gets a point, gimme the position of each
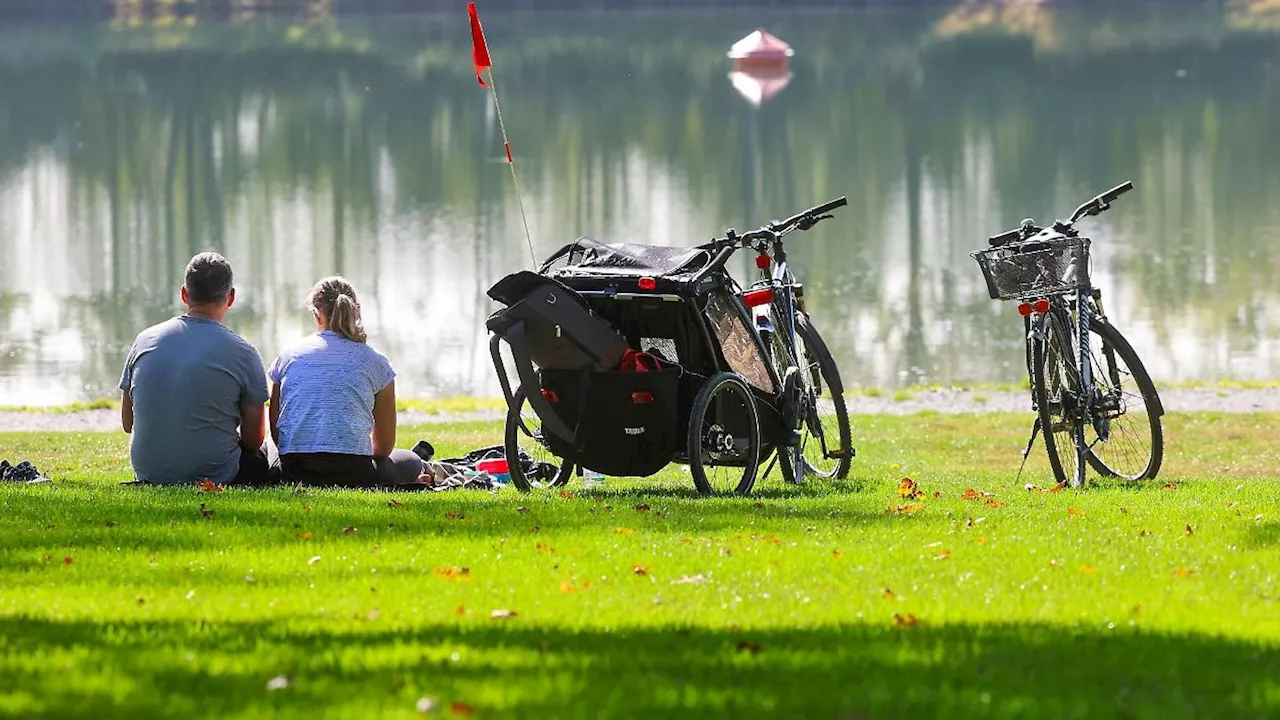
(479, 50)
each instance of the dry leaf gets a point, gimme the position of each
(567, 587)
(206, 512)
(1072, 512)
(460, 610)
(937, 495)
(639, 570)
(1124, 510)
(1057, 488)
(624, 531)
(522, 510)
(1169, 486)
(903, 509)
(454, 516)
(907, 620)
(943, 555)
(642, 508)
(1145, 533)
(500, 614)
(751, 647)
(67, 560)
(47, 558)
(453, 573)
(908, 489)
(982, 541)
(837, 554)
(208, 485)
(1184, 572)
(1088, 569)
(889, 594)
(772, 539)
(992, 502)
(393, 503)
(1189, 530)
(461, 709)
(971, 494)
(306, 535)
(543, 548)
(567, 495)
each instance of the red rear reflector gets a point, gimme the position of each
(755, 298)
(550, 396)
(1041, 306)
(641, 397)
(762, 262)
(648, 283)
(1024, 309)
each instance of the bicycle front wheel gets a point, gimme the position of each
(1055, 380)
(1125, 438)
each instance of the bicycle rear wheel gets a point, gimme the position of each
(1055, 380)
(1125, 438)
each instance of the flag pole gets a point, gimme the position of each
(483, 61)
(511, 163)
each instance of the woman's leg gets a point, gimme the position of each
(401, 467)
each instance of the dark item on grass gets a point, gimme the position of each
(23, 472)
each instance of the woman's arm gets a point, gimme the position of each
(384, 421)
(126, 412)
(274, 413)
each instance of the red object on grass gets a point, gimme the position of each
(479, 49)
(496, 466)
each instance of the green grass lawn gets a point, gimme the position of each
(643, 600)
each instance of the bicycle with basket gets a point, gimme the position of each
(630, 357)
(1094, 401)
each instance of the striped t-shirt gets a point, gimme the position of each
(327, 384)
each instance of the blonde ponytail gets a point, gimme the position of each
(335, 299)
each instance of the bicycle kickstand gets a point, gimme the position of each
(1035, 430)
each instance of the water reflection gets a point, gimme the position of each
(365, 148)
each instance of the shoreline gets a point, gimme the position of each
(100, 417)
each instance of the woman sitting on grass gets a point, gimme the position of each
(333, 401)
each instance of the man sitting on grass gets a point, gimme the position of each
(194, 390)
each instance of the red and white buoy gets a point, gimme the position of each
(760, 66)
(760, 49)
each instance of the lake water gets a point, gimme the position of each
(364, 147)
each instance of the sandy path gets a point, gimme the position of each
(944, 401)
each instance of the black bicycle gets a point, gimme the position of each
(1094, 400)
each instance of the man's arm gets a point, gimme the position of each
(126, 412)
(275, 413)
(384, 421)
(253, 426)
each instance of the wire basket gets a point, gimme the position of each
(1035, 269)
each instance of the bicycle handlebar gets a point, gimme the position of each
(1102, 201)
(1098, 204)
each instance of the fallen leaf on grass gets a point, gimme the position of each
(937, 495)
(522, 510)
(279, 682)
(47, 558)
(907, 620)
(543, 548)
(461, 709)
(67, 560)
(206, 512)
(1057, 488)
(454, 516)
(943, 555)
(748, 646)
(889, 594)
(623, 531)
(453, 573)
(1088, 570)
(567, 495)
(639, 570)
(904, 509)
(992, 502)
(982, 541)
(460, 610)
(772, 539)
(1169, 486)
(567, 587)
(837, 554)
(908, 489)
(501, 614)
(306, 535)
(689, 579)
(1072, 512)
(1190, 532)
(1184, 572)
(758, 505)
(971, 494)
(642, 508)
(208, 485)
(350, 529)
(393, 503)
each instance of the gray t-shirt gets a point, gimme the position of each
(189, 377)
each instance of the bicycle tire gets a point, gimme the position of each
(1114, 346)
(1050, 385)
(823, 372)
(723, 420)
(511, 441)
